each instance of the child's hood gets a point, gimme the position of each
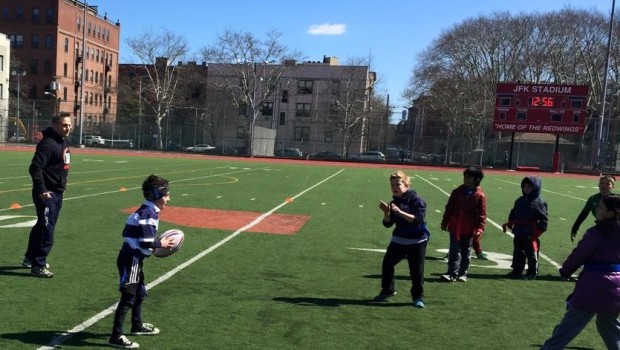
(536, 183)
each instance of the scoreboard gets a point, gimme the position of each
(542, 108)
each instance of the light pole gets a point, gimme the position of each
(19, 74)
(140, 111)
(56, 102)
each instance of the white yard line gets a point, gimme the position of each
(57, 341)
(499, 227)
(137, 188)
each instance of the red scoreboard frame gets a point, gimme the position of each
(541, 108)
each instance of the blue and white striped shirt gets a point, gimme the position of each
(140, 230)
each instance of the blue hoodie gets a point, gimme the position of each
(410, 203)
(529, 215)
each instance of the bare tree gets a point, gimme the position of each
(248, 69)
(155, 54)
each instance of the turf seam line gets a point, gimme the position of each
(499, 227)
(55, 342)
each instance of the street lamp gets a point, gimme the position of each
(56, 102)
(19, 74)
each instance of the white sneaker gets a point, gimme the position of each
(461, 279)
(145, 329)
(447, 278)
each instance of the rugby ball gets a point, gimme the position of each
(177, 236)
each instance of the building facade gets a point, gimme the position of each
(67, 54)
(5, 74)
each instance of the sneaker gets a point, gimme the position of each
(123, 343)
(27, 264)
(530, 276)
(513, 274)
(145, 329)
(419, 303)
(482, 256)
(448, 278)
(461, 278)
(383, 297)
(41, 272)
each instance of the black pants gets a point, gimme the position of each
(133, 292)
(415, 254)
(524, 249)
(41, 237)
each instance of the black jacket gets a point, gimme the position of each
(50, 165)
(529, 215)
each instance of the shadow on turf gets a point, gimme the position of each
(537, 346)
(14, 271)
(476, 276)
(335, 302)
(42, 338)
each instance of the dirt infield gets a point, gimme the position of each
(279, 224)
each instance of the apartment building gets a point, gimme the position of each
(56, 45)
(5, 73)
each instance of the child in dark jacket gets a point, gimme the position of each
(409, 238)
(527, 221)
(597, 291)
(464, 218)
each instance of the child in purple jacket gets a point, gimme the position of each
(597, 291)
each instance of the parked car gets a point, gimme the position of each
(326, 155)
(369, 156)
(17, 139)
(93, 141)
(289, 152)
(200, 148)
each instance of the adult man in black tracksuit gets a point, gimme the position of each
(49, 169)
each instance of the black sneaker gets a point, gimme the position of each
(383, 297)
(122, 343)
(145, 329)
(513, 274)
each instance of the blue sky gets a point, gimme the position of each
(391, 32)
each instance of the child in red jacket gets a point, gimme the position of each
(464, 218)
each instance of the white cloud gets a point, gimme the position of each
(327, 29)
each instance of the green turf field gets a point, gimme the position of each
(312, 290)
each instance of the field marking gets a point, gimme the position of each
(57, 341)
(138, 187)
(556, 193)
(499, 227)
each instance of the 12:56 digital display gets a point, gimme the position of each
(540, 101)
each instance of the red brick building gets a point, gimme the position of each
(47, 43)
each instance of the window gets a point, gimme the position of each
(97, 56)
(79, 23)
(335, 87)
(1, 92)
(302, 133)
(48, 41)
(328, 137)
(1, 63)
(92, 76)
(304, 86)
(267, 108)
(240, 132)
(47, 66)
(34, 41)
(35, 15)
(556, 118)
(5, 12)
(66, 44)
(302, 110)
(17, 40)
(34, 66)
(282, 118)
(96, 77)
(49, 15)
(33, 92)
(65, 92)
(89, 27)
(19, 13)
(65, 68)
(284, 96)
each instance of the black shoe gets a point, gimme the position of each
(383, 297)
(513, 274)
(145, 329)
(530, 276)
(123, 343)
